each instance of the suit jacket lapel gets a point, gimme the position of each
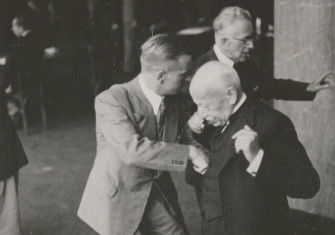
(224, 148)
(144, 106)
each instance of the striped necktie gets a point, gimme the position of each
(160, 118)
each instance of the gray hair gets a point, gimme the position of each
(228, 16)
(159, 49)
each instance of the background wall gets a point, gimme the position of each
(304, 50)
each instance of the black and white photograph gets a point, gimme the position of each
(167, 117)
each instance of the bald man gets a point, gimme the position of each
(256, 159)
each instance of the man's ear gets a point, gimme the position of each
(223, 42)
(161, 76)
(232, 95)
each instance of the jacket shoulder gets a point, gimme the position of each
(271, 119)
(117, 91)
(116, 95)
(197, 63)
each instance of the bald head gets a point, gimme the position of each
(216, 90)
(214, 79)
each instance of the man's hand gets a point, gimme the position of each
(8, 90)
(51, 52)
(196, 123)
(325, 82)
(198, 159)
(247, 142)
(3, 60)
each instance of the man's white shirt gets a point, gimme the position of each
(154, 99)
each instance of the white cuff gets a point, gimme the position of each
(255, 163)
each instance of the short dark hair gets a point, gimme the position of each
(25, 21)
(160, 48)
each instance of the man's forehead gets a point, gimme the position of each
(206, 99)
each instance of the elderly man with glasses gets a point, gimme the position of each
(234, 42)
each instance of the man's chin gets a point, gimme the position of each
(243, 59)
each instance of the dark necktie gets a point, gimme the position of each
(160, 118)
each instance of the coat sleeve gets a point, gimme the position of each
(286, 165)
(284, 89)
(188, 137)
(134, 149)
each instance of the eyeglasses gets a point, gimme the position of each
(244, 41)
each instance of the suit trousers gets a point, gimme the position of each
(159, 217)
(9, 210)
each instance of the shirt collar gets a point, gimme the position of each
(154, 99)
(222, 57)
(237, 107)
(239, 104)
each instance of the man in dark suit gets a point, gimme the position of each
(138, 124)
(12, 158)
(23, 64)
(234, 41)
(256, 159)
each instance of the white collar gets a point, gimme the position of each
(154, 99)
(239, 104)
(237, 107)
(222, 57)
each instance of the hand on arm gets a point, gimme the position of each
(199, 160)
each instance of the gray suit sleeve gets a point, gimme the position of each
(136, 150)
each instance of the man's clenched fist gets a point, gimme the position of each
(196, 122)
(247, 142)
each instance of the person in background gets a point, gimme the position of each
(234, 41)
(23, 66)
(12, 158)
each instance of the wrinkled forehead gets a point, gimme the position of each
(206, 98)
